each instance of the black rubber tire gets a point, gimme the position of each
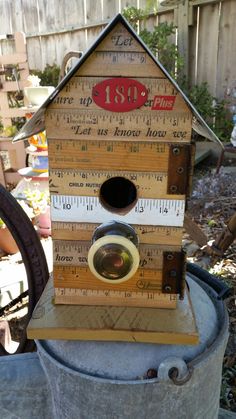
(32, 254)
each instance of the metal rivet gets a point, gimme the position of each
(176, 151)
(169, 256)
(173, 188)
(180, 170)
(151, 373)
(167, 288)
(173, 273)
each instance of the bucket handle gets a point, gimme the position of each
(212, 281)
(174, 376)
(176, 370)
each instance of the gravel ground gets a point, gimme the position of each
(212, 204)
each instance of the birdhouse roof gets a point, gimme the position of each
(37, 123)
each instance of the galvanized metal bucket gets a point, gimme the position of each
(108, 380)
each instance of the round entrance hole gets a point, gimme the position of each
(118, 194)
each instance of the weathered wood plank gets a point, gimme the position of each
(208, 45)
(110, 8)
(13, 59)
(226, 64)
(193, 37)
(50, 321)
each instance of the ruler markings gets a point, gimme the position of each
(77, 182)
(143, 289)
(154, 84)
(108, 155)
(144, 280)
(95, 124)
(115, 298)
(117, 57)
(75, 253)
(91, 116)
(87, 209)
(83, 231)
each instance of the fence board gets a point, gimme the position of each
(128, 3)
(38, 18)
(16, 15)
(30, 16)
(93, 11)
(6, 17)
(110, 8)
(69, 13)
(192, 49)
(78, 41)
(35, 55)
(208, 45)
(226, 76)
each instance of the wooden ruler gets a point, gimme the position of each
(162, 212)
(157, 235)
(74, 253)
(76, 285)
(121, 57)
(88, 183)
(78, 85)
(108, 155)
(114, 298)
(81, 277)
(92, 124)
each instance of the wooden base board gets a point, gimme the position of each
(106, 323)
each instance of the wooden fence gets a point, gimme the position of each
(205, 34)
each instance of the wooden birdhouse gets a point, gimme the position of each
(120, 152)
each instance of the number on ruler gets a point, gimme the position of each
(66, 206)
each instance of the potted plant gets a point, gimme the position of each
(35, 93)
(39, 202)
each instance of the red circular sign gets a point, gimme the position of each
(119, 94)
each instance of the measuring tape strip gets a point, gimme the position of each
(146, 211)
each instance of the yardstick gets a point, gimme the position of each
(74, 253)
(144, 280)
(108, 155)
(147, 234)
(88, 183)
(121, 57)
(163, 212)
(115, 298)
(81, 89)
(93, 124)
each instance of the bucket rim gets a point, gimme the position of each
(223, 321)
